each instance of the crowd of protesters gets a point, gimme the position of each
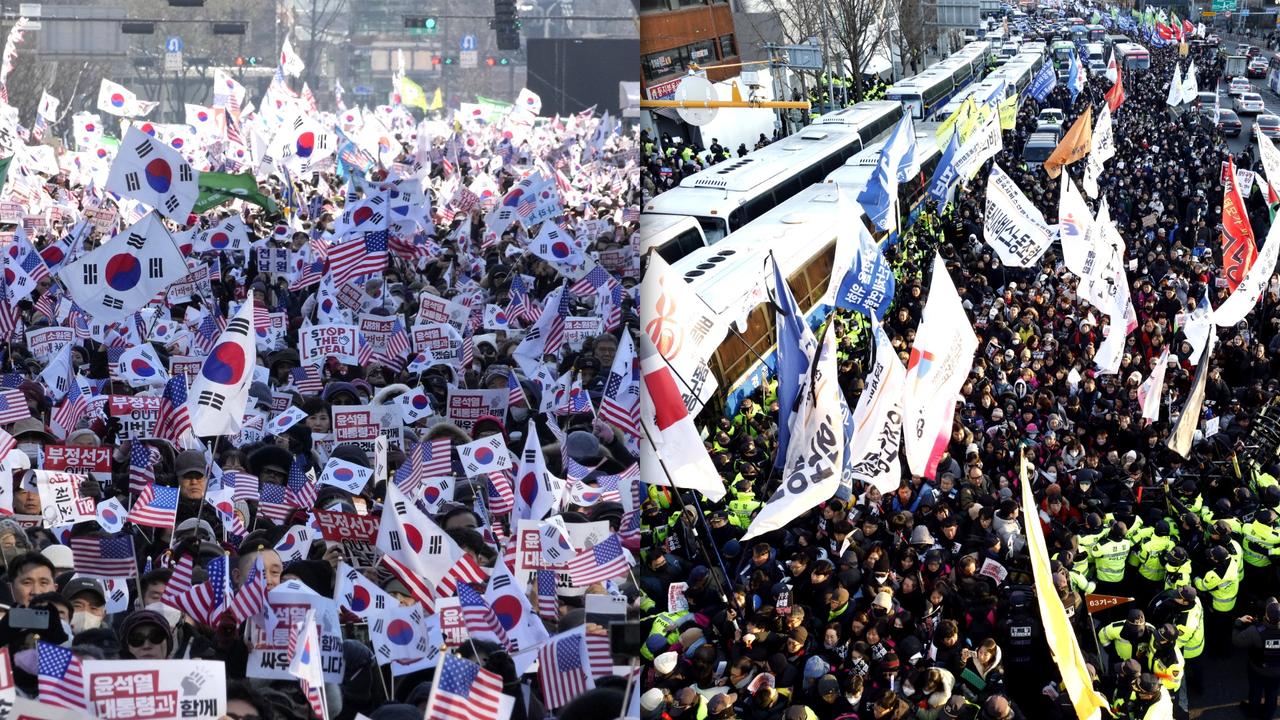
(918, 603)
(466, 168)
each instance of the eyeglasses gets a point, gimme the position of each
(155, 636)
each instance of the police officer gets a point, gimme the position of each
(1222, 582)
(1086, 540)
(1109, 556)
(1177, 568)
(1148, 557)
(1261, 541)
(1164, 660)
(1151, 700)
(1262, 640)
(1122, 692)
(1021, 638)
(1122, 638)
(1189, 619)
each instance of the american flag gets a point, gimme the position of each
(478, 616)
(563, 668)
(410, 249)
(252, 596)
(61, 677)
(610, 303)
(600, 655)
(179, 581)
(47, 303)
(603, 561)
(142, 460)
(109, 557)
(206, 601)
(12, 379)
(548, 598)
(611, 485)
(306, 379)
(215, 269)
(502, 499)
(620, 402)
(7, 443)
(209, 330)
(174, 421)
(555, 333)
(309, 273)
(437, 457)
(13, 406)
(28, 259)
(468, 349)
(274, 503)
(595, 279)
(521, 303)
(362, 256)
(301, 489)
(243, 485)
(156, 507)
(398, 344)
(465, 691)
(410, 476)
(515, 392)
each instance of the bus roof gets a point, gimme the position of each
(857, 170)
(757, 168)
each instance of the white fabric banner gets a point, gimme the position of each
(1104, 148)
(1255, 280)
(877, 420)
(1012, 225)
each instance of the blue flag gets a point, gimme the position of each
(868, 285)
(796, 349)
(946, 175)
(1043, 83)
(1075, 78)
(897, 164)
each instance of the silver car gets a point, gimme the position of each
(1249, 103)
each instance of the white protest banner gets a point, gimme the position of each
(269, 652)
(1012, 225)
(377, 329)
(466, 406)
(676, 601)
(185, 365)
(319, 342)
(439, 340)
(169, 688)
(994, 570)
(60, 501)
(578, 329)
(981, 146)
(435, 309)
(93, 461)
(137, 414)
(877, 435)
(44, 342)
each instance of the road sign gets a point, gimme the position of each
(469, 58)
(173, 62)
(468, 42)
(173, 45)
(803, 57)
(1225, 5)
(1098, 603)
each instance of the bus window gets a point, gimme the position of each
(715, 229)
(680, 246)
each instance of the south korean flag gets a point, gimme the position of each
(303, 144)
(150, 172)
(281, 423)
(485, 455)
(230, 236)
(124, 274)
(220, 392)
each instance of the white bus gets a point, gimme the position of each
(727, 196)
(927, 93)
(1132, 56)
(801, 233)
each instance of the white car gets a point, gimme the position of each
(1239, 85)
(1250, 103)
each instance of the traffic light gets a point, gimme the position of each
(504, 61)
(251, 60)
(436, 60)
(229, 28)
(417, 24)
(491, 61)
(449, 59)
(506, 24)
(239, 60)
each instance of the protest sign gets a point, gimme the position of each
(137, 415)
(578, 329)
(92, 461)
(60, 500)
(441, 341)
(320, 342)
(358, 535)
(269, 652)
(146, 689)
(466, 406)
(44, 342)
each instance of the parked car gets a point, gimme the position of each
(1228, 123)
(1268, 125)
(1250, 103)
(1239, 85)
(1040, 146)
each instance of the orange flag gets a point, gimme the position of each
(1074, 145)
(1115, 96)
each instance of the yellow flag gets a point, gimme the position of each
(1058, 634)
(949, 125)
(977, 118)
(437, 100)
(411, 94)
(1075, 144)
(1009, 113)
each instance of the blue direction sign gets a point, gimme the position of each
(173, 45)
(468, 42)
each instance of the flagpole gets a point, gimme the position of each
(435, 682)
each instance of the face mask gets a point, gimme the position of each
(82, 621)
(881, 578)
(172, 615)
(32, 451)
(66, 628)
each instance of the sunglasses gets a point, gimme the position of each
(155, 636)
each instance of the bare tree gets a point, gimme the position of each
(859, 27)
(316, 19)
(917, 31)
(74, 81)
(800, 20)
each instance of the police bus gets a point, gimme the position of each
(732, 193)
(801, 233)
